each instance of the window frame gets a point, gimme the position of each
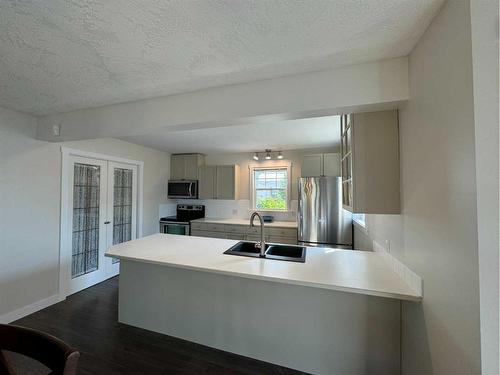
(259, 167)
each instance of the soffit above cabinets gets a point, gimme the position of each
(278, 135)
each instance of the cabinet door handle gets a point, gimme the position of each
(107, 222)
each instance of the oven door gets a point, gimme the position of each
(181, 229)
(183, 189)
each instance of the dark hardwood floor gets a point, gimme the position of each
(88, 321)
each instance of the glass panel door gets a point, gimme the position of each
(87, 206)
(122, 206)
(122, 195)
(85, 245)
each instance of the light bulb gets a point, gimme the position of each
(280, 156)
(255, 156)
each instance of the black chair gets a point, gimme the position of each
(59, 357)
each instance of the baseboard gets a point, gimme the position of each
(413, 280)
(30, 309)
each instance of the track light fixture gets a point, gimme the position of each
(268, 154)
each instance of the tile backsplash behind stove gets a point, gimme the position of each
(228, 209)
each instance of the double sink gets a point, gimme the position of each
(273, 251)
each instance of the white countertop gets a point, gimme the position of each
(343, 270)
(236, 221)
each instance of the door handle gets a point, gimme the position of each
(107, 222)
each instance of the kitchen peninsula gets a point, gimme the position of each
(339, 312)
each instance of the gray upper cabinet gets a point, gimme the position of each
(331, 165)
(191, 164)
(370, 162)
(219, 182)
(317, 165)
(207, 182)
(177, 168)
(312, 165)
(227, 181)
(185, 166)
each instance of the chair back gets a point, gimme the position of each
(46, 349)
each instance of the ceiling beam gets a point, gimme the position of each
(370, 85)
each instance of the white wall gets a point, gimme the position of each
(436, 234)
(379, 83)
(30, 205)
(484, 33)
(361, 239)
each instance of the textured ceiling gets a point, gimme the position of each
(277, 135)
(62, 55)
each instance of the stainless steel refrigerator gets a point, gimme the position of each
(321, 219)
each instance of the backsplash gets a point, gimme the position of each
(228, 209)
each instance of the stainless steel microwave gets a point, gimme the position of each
(183, 189)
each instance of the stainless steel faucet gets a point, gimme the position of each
(262, 243)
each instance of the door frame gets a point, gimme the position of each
(65, 238)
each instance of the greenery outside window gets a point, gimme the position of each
(270, 188)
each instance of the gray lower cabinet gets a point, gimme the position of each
(273, 239)
(236, 236)
(284, 240)
(244, 232)
(206, 233)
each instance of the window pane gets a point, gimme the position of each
(270, 188)
(271, 199)
(281, 174)
(260, 183)
(271, 184)
(261, 194)
(260, 174)
(270, 174)
(279, 194)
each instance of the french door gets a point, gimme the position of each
(122, 209)
(102, 211)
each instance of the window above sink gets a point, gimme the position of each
(270, 187)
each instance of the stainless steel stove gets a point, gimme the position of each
(181, 223)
